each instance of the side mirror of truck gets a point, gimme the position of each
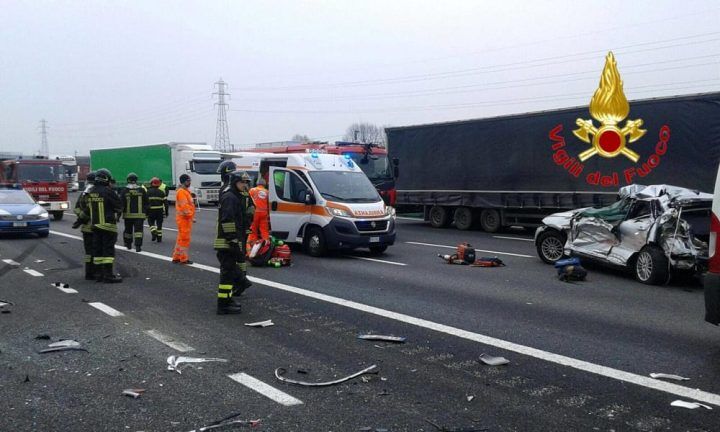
(187, 166)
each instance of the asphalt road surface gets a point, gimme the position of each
(580, 353)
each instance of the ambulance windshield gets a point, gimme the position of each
(344, 186)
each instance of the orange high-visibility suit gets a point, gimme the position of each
(184, 214)
(260, 224)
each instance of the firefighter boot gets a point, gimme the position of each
(109, 276)
(241, 286)
(89, 271)
(228, 307)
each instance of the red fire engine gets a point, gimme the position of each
(371, 158)
(44, 179)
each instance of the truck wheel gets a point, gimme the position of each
(378, 250)
(490, 220)
(439, 217)
(58, 215)
(651, 266)
(550, 246)
(463, 218)
(315, 242)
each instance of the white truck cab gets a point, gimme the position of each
(200, 162)
(322, 201)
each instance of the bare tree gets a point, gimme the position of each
(300, 138)
(365, 133)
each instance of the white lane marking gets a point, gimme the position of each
(605, 371)
(11, 262)
(107, 309)
(265, 389)
(476, 250)
(376, 260)
(169, 341)
(410, 218)
(515, 238)
(32, 272)
(65, 290)
(164, 228)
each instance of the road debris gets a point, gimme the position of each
(444, 429)
(64, 343)
(266, 323)
(133, 393)
(689, 405)
(280, 371)
(669, 376)
(62, 348)
(4, 303)
(174, 362)
(374, 337)
(570, 269)
(227, 421)
(39, 261)
(470, 398)
(42, 337)
(493, 361)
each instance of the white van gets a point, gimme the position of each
(322, 201)
(712, 278)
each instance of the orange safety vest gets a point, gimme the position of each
(184, 205)
(259, 196)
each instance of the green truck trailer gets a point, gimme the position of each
(168, 161)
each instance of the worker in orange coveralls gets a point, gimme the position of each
(184, 215)
(260, 223)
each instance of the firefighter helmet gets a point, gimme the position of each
(225, 169)
(90, 177)
(155, 182)
(238, 176)
(103, 176)
(132, 177)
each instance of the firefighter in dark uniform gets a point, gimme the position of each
(156, 209)
(83, 222)
(103, 205)
(225, 169)
(230, 243)
(135, 207)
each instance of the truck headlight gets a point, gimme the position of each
(337, 212)
(64, 206)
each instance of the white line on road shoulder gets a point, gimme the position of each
(107, 309)
(169, 341)
(376, 260)
(65, 290)
(515, 238)
(32, 272)
(640, 380)
(11, 262)
(476, 250)
(265, 389)
(409, 218)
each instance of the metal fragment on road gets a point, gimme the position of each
(374, 337)
(63, 348)
(227, 421)
(174, 362)
(280, 371)
(689, 405)
(6, 302)
(493, 361)
(669, 376)
(266, 323)
(133, 393)
(64, 343)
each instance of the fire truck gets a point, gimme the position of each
(42, 178)
(371, 158)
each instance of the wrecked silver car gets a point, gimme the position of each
(651, 230)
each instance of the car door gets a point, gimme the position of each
(288, 210)
(633, 231)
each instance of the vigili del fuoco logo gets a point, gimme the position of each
(611, 138)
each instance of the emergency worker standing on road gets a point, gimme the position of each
(230, 243)
(156, 209)
(184, 215)
(163, 188)
(103, 204)
(85, 224)
(135, 207)
(225, 169)
(260, 223)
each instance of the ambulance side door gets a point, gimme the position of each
(288, 210)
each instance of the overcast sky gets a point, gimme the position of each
(111, 73)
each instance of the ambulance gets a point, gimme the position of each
(322, 201)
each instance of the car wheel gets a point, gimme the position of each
(315, 242)
(378, 250)
(58, 215)
(550, 246)
(490, 220)
(651, 266)
(463, 218)
(439, 217)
